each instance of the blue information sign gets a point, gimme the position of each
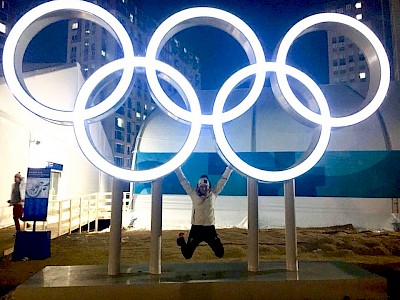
(37, 194)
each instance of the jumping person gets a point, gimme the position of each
(203, 217)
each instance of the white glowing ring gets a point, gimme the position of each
(215, 18)
(264, 175)
(45, 14)
(284, 87)
(11, 57)
(139, 175)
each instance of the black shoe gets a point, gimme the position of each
(181, 239)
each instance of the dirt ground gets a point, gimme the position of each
(378, 252)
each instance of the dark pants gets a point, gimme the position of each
(17, 214)
(198, 234)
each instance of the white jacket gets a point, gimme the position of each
(203, 206)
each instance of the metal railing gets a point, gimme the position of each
(65, 216)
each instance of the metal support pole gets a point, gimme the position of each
(252, 236)
(114, 254)
(290, 226)
(156, 227)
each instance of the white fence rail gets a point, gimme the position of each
(65, 216)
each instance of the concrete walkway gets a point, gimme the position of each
(7, 239)
(199, 281)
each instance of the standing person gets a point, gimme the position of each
(203, 217)
(17, 199)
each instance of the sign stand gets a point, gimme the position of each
(34, 244)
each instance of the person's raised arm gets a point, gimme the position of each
(184, 182)
(222, 181)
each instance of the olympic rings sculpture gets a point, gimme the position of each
(36, 19)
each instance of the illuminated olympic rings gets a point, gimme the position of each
(49, 12)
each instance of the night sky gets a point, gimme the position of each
(219, 53)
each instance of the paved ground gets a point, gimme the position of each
(6, 240)
(378, 252)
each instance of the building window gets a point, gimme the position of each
(118, 135)
(341, 39)
(359, 16)
(358, 5)
(334, 40)
(121, 110)
(348, 6)
(119, 148)
(119, 161)
(75, 25)
(119, 122)
(3, 28)
(362, 75)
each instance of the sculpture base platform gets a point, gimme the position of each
(315, 280)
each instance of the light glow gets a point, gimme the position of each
(14, 51)
(212, 17)
(347, 22)
(235, 160)
(80, 117)
(135, 175)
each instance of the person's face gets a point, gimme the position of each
(17, 179)
(203, 189)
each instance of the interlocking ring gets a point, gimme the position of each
(233, 158)
(80, 117)
(34, 21)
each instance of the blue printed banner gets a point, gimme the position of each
(360, 174)
(37, 194)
